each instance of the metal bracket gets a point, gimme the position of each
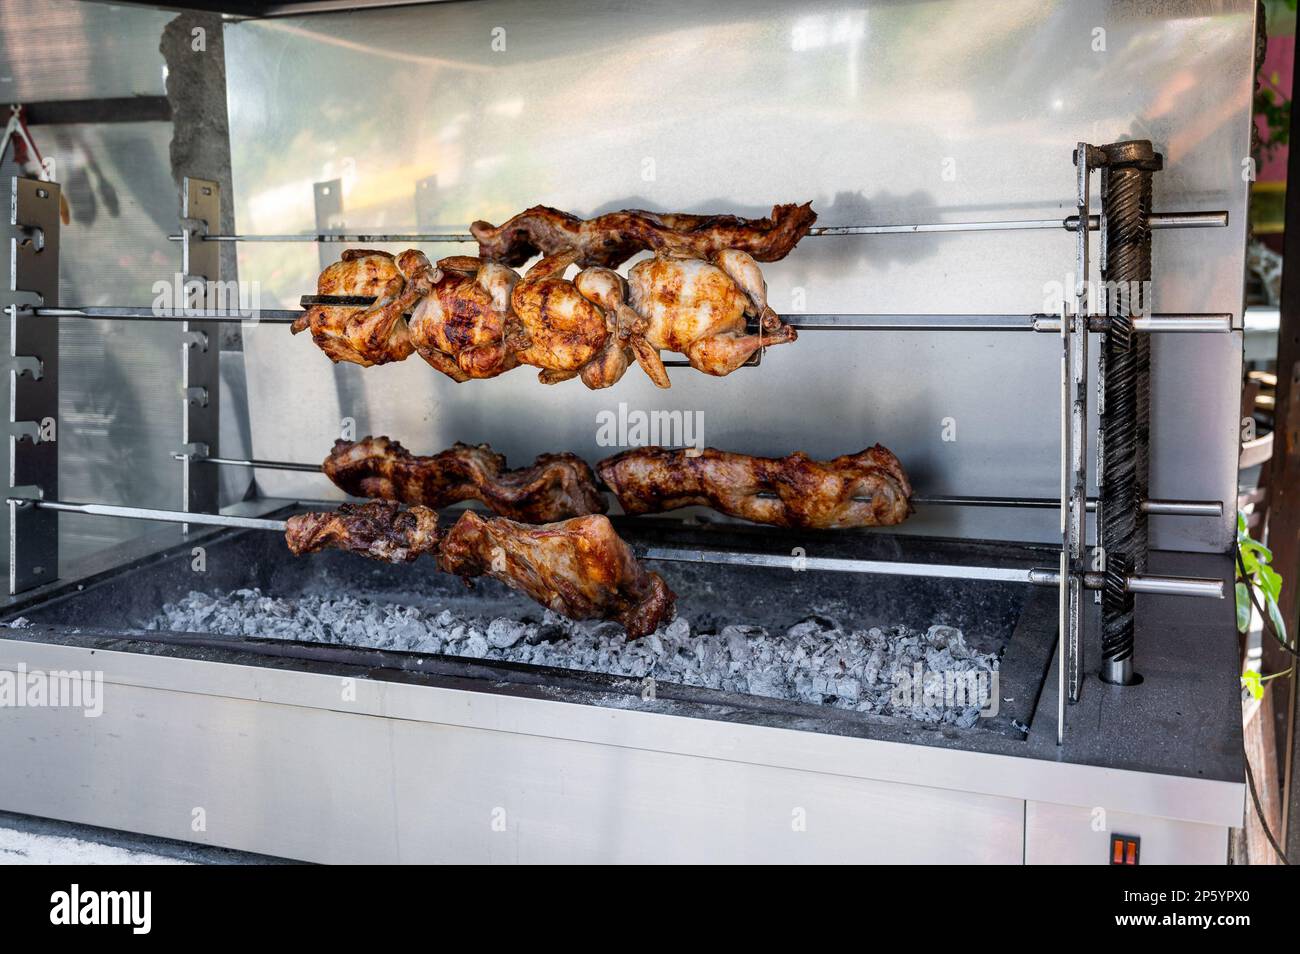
(426, 203)
(329, 214)
(33, 383)
(200, 361)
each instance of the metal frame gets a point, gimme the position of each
(200, 210)
(200, 346)
(33, 385)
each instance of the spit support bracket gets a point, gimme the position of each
(200, 340)
(1123, 389)
(33, 384)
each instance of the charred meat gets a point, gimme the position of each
(379, 530)
(610, 240)
(579, 568)
(867, 489)
(555, 487)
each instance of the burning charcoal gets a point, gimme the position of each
(503, 633)
(476, 646)
(765, 682)
(848, 670)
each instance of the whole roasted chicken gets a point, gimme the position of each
(579, 568)
(576, 328)
(698, 308)
(464, 326)
(374, 334)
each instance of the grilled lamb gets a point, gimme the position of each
(379, 530)
(579, 568)
(610, 240)
(868, 489)
(555, 487)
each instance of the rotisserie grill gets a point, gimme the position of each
(697, 621)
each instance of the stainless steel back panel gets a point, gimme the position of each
(884, 112)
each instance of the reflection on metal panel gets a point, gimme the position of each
(61, 49)
(881, 113)
(119, 403)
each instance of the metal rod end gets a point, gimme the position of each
(1119, 672)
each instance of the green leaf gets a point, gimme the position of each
(1243, 608)
(1275, 614)
(1249, 562)
(1270, 581)
(1256, 550)
(1250, 679)
(1241, 524)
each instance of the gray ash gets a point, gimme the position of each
(815, 660)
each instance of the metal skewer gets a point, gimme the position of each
(1185, 508)
(1208, 322)
(1167, 220)
(1166, 585)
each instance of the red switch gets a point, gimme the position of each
(1124, 849)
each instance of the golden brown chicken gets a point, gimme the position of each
(698, 308)
(376, 334)
(555, 487)
(464, 327)
(569, 334)
(867, 489)
(379, 530)
(579, 568)
(613, 238)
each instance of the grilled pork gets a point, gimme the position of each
(379, 530)
(555, 487)
(867, 489)
(611, 239)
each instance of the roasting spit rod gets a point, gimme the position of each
(1167, 220)
(1187, 322)
(1176, 508)
(1163, 585)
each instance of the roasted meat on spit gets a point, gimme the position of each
(555, 487)
(477, 319)
(376, 334)
(868, 489)
(698, 308)
(380, 530)
(464, 326)
(576, 328)
(579, 568)
(610, 240)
